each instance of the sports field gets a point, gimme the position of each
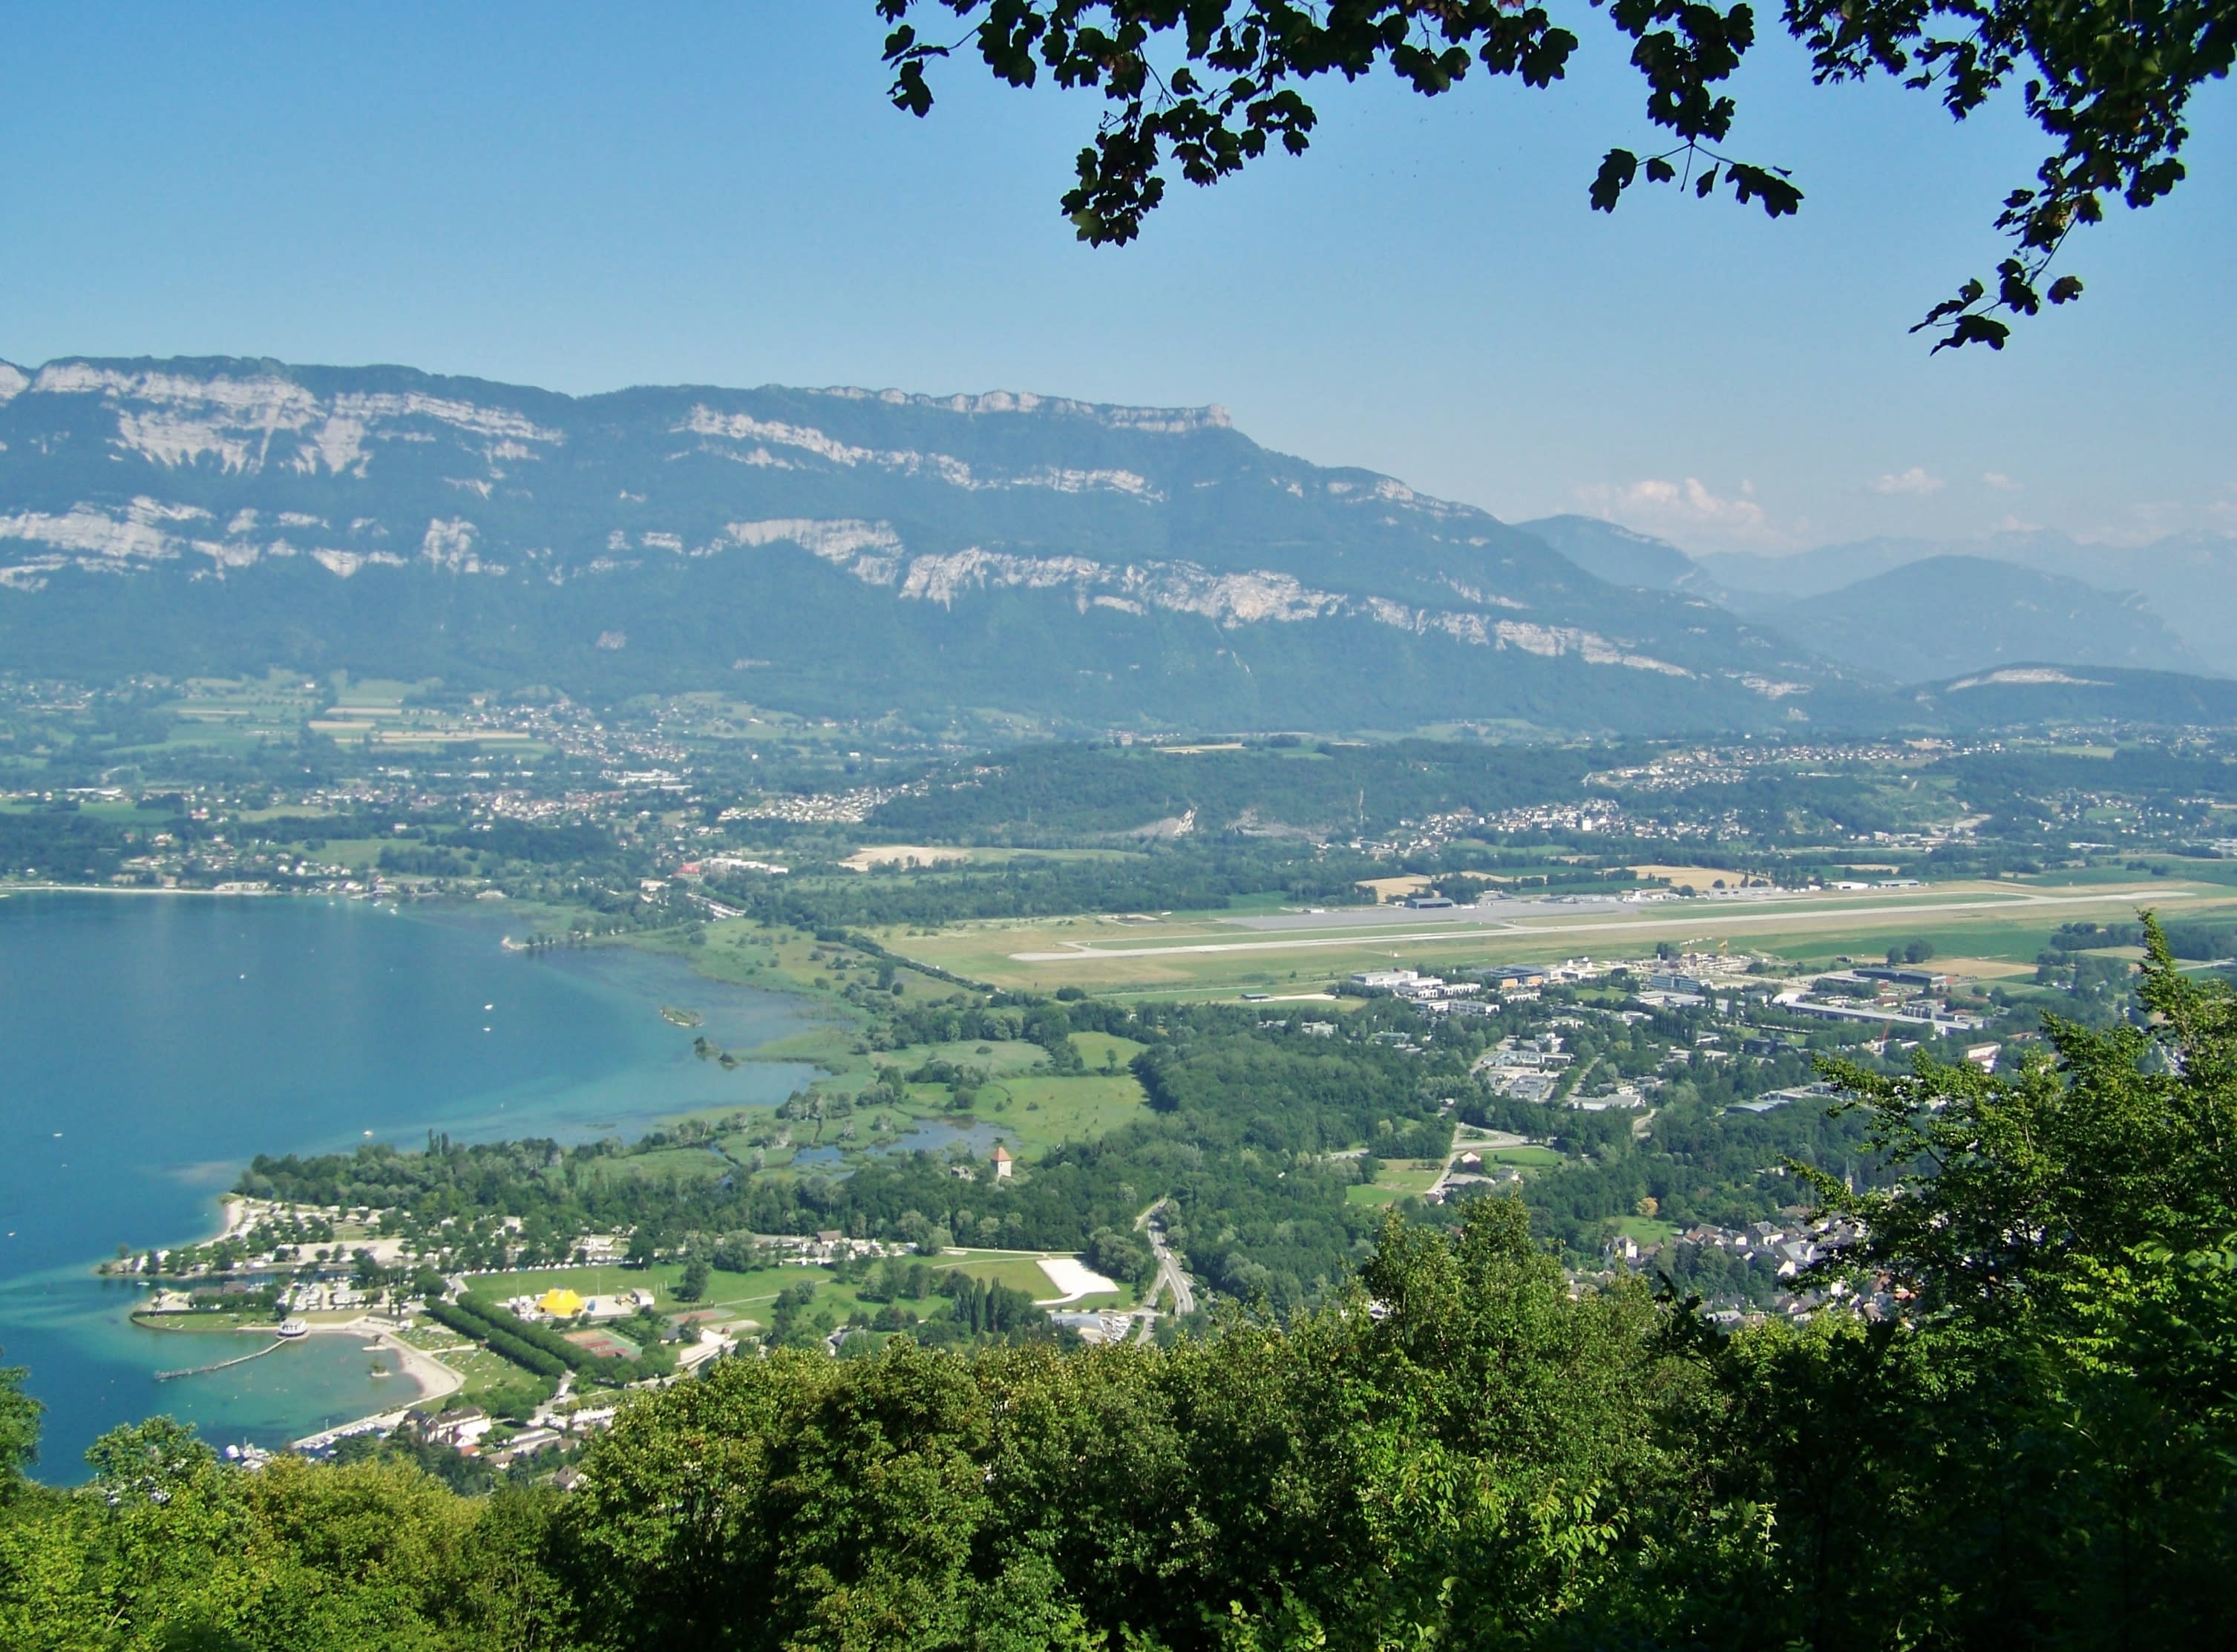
(1220, 954)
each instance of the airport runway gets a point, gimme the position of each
(1710, 914)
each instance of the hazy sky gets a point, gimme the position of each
(588, 197)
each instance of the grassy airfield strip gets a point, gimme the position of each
(1193, 953)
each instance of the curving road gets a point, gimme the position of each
(1169, 1270)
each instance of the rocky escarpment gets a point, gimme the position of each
(846, 549)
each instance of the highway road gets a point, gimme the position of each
(1169, 1270)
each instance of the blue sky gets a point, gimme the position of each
(585, 197)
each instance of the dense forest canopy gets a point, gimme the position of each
(1324, 787)
(1254, 1136)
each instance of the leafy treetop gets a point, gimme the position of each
(1205, 86)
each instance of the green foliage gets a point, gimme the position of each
(895, 1280)
(1122, 1256)
(499, 1339)
(513, 1401)
(468, 1476)
(2027, 1440)
(62, 844)
(538, 1348)
(167, 1549)
(2054, 1417)
(19, 1430)
(985, 1305)
(1240, 1117)
(1331, 787)
(2202, 942)
(1203, 90)
(2029, 786)
(1466, 1446)
(792, 1324)
(1339, 1474)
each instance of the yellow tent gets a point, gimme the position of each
(560, 1303)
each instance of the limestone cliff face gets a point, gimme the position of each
(1052, 556)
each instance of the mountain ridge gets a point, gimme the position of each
(2174, 601)
(1610, 551)
(2188, 579)
(1942, 616)
(2033, 692)
(845, 545)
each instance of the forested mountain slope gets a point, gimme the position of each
(2186, 581)
(1916, 610)
(1947, 615)
(842, 551)
(1622, 557)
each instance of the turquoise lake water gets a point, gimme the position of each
(150, 1046)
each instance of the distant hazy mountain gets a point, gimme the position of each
(1917, 608)
(2041, 693)
(1813, 573)
(1946, 615)
(839, 551)
(2189, 580)
(1621, 557)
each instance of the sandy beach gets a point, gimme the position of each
(436, 1380)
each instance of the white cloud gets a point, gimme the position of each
(1914, 481)
(1999, 481)
(1680, 510)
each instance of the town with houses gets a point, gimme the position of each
(860, 862)
(376, 1273)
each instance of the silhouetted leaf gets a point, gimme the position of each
(1617, 170)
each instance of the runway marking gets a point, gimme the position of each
(1082, 952)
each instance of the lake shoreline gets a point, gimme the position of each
(136, 889)
(435, 1380)
(301, 1024)
(815, 1043)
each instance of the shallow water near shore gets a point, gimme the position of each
(149, 1047)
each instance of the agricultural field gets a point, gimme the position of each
(1104, 1050)
(234, 714)
(1001, 1058)
(377, 716)
(1396, 1179)
(1646, 1232)
(1048, 1109)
